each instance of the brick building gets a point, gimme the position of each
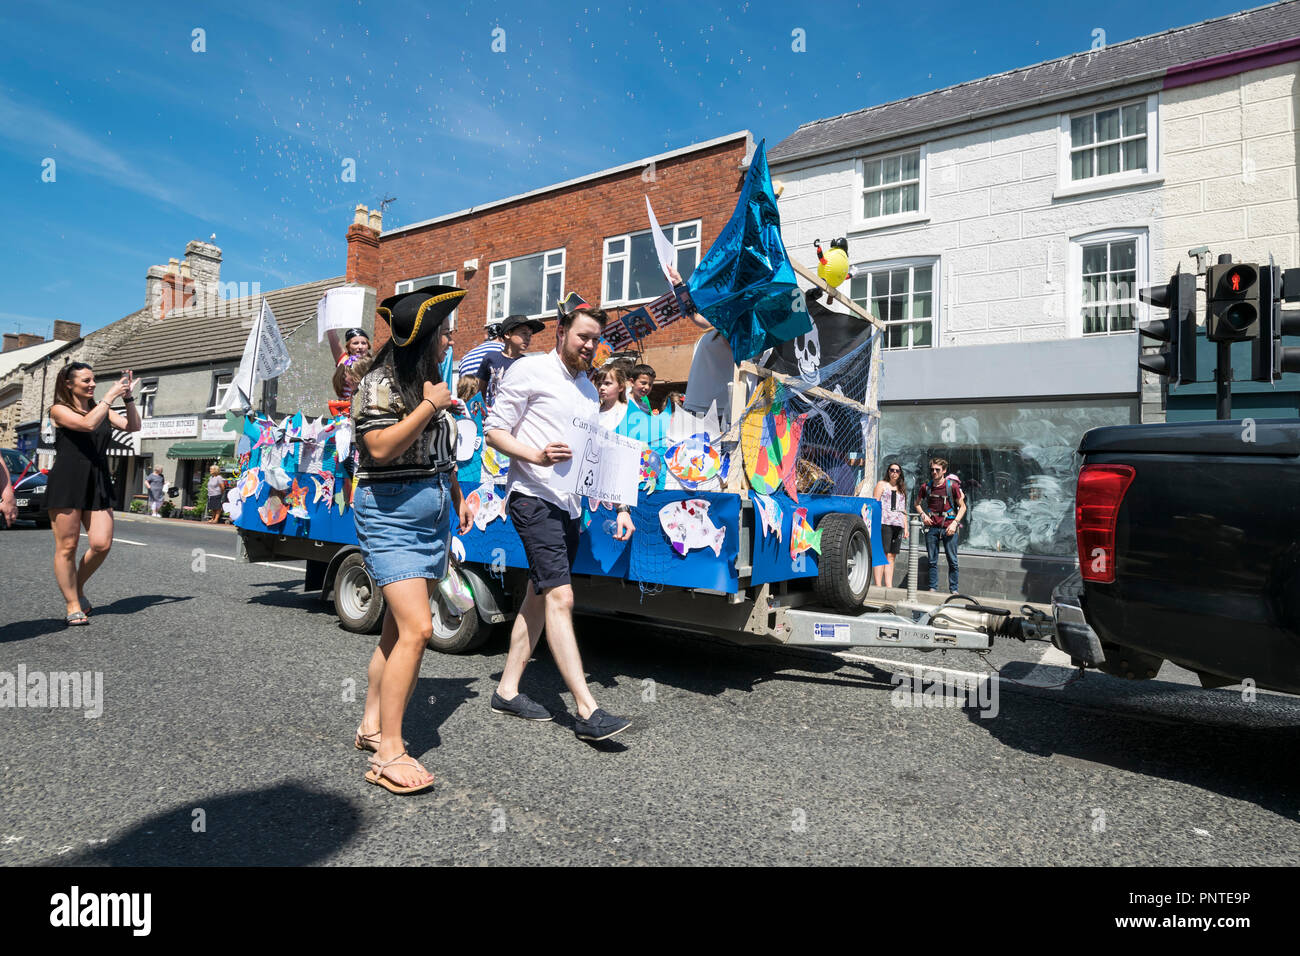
(591, 235)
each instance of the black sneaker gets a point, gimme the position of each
(600, 726)
(519, 706)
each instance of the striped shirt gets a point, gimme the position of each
(378, 404)
(469, 365)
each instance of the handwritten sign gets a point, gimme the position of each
(604, 466)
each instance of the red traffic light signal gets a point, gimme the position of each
(1232, 306)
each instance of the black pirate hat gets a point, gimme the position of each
(571, 304)
(414, 316)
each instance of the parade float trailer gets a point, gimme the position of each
(753, 510)
(742, 536)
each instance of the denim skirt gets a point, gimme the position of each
(404, 528)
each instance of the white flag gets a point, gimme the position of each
(265, 357)
(663, 248)
(340, 308)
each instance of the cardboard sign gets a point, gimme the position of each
(604, 466)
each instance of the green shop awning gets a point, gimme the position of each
(201, 449)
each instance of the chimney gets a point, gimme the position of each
(153, 289)
(66, 331)
(204, 261)
(363, 247)
(377, 220)
(11, 341)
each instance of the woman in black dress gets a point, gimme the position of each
(79, 491)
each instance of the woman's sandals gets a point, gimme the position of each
(376, 774)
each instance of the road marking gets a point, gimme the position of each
(264, 564)
(117, 540)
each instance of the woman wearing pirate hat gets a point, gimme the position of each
(405, 498)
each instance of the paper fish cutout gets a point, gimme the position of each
(769, 513)
(487, 506)
(341, 500)
(297, 499)
(249, 483)
(769, 436)
(468, 439)
(494, 463)
(276, 477)
(343, 439)
(324, 488)
(687, 525)
(652, 467)
(693, 461)
(234, 423)
(457, 550)
(802, 536)
(273, 512)
(234, 504)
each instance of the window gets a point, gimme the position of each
(902, 296)
(632, 272)
(891, 185)
(148, 392)
(529, 285)
(220, 385)
(1108, 269)
(1115, 141)
(441, 278)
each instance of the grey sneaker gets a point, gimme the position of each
(519, 706)
(600, 726)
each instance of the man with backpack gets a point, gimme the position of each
(941, 505)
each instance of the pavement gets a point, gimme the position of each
(229, 700)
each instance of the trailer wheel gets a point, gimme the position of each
(357, 602)
(455, 633)
(844, 566)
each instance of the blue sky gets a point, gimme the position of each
(155, 144)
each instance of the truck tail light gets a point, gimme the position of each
(1096, 510)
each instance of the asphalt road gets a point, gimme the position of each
(227, 717)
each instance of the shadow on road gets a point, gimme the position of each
(1158, 729)
(26, 630)
(285, 825)
(435, 699)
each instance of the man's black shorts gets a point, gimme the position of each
(550, 538)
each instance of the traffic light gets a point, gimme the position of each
(1232, 307)
(1269, 358)
(1178, 362)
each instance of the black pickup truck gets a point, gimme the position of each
(1189, 551)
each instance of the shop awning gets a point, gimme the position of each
(201, 449)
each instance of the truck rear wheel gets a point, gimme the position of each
(455, 633)
(357, 602)
(844, 565)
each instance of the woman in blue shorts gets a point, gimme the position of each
(405, 497)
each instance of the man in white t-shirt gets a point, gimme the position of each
(539, 396)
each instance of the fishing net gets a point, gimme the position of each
(813, 434)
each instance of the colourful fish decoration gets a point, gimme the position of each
(249, 483)
(687, 525)
(324, 483)
(487, 506)
(233, 505)
(276, 477)
(802, 536)
(769, 437)
(769, 512)
(652, 466)
(297, 500)
(273, 512)
(495, 463)
(693, 461)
